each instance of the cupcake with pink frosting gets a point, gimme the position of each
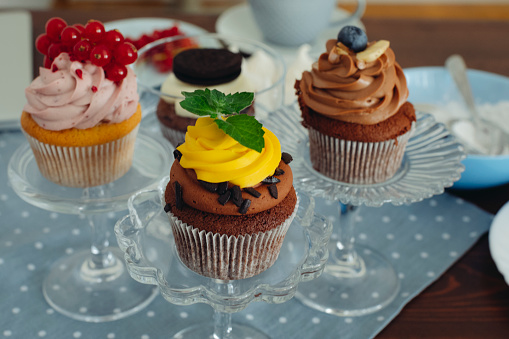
(82, 113)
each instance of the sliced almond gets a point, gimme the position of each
(374, 51)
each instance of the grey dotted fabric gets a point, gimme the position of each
(421, 240)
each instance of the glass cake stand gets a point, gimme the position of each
(146, 238)
(358, 280)
(92, 285)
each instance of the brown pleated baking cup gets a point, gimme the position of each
(176, 137)
(84, 166)
(356, 162)
(224, 257)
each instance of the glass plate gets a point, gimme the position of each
(432, 162)
(145, 236)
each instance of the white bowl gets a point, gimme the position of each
(433, 90)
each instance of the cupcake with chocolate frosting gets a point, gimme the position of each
(354, 105)
(230, 198)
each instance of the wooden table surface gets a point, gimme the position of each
(471, 300)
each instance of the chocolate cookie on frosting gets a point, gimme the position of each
(354, 104)
(207, 66)
(193, 69)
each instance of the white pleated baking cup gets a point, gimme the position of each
(175, 137)
(224, 257)
(356, 162)
(84, 166)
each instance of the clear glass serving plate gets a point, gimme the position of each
(432, 162)
(146, 238)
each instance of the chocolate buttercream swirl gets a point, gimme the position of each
(344, 88)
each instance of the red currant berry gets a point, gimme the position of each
(80, 28)
(54, 27)
(42, 43)
(113, 38)
(126, 53)
(70, 36)
(55, 49)
(115, 72)
(100, 55)
(94, 31)
(82, 50)
(47, 62)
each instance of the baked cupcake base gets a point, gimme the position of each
(84, 166)
(230, 257)
(356, 162)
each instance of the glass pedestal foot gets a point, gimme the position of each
(352, 291)
(77, 289)
(207, 331)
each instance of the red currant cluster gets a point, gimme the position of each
(162, 56)
(106, 49)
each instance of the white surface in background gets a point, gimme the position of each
(499, 241)
(15, 62)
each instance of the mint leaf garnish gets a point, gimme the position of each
(213, 102)
(243, 128)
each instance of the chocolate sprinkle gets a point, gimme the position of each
(222, 187)
(245, 206)
(223, 198)
(178, 196)
(279, 171)
(236, 195)
(167, 208)
(270, 180)
(177, 154)
(209, 186)
(273, 191)
(252, 191)
(286, 157)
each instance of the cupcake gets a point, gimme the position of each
(212, 68)
(354, 105)
(82, 112)
(230, 198)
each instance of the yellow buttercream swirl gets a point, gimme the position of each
(217, 157)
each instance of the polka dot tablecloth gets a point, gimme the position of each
(421, 240)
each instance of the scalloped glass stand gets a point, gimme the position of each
(358, 280)
(92, 285)
(146, 238)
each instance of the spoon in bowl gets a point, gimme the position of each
(490, 138)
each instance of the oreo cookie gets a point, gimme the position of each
(207, 66)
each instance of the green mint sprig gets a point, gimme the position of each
(242, 127)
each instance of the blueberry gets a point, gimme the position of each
(353, 37)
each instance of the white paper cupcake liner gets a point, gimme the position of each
(85, 166)
(224, 257)
(176, 137)
(356, 162)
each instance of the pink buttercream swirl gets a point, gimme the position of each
(78, 95)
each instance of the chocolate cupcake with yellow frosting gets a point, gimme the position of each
(354, 105)
(230, 198)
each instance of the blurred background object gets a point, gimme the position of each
(452, 9)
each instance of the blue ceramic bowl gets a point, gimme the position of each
(433, 87)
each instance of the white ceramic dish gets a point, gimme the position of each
(432, 90)
(239, 21)
(499, 241)
(135, 27)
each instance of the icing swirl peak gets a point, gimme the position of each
(344, 87)
(217, 157)
(77, 95)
